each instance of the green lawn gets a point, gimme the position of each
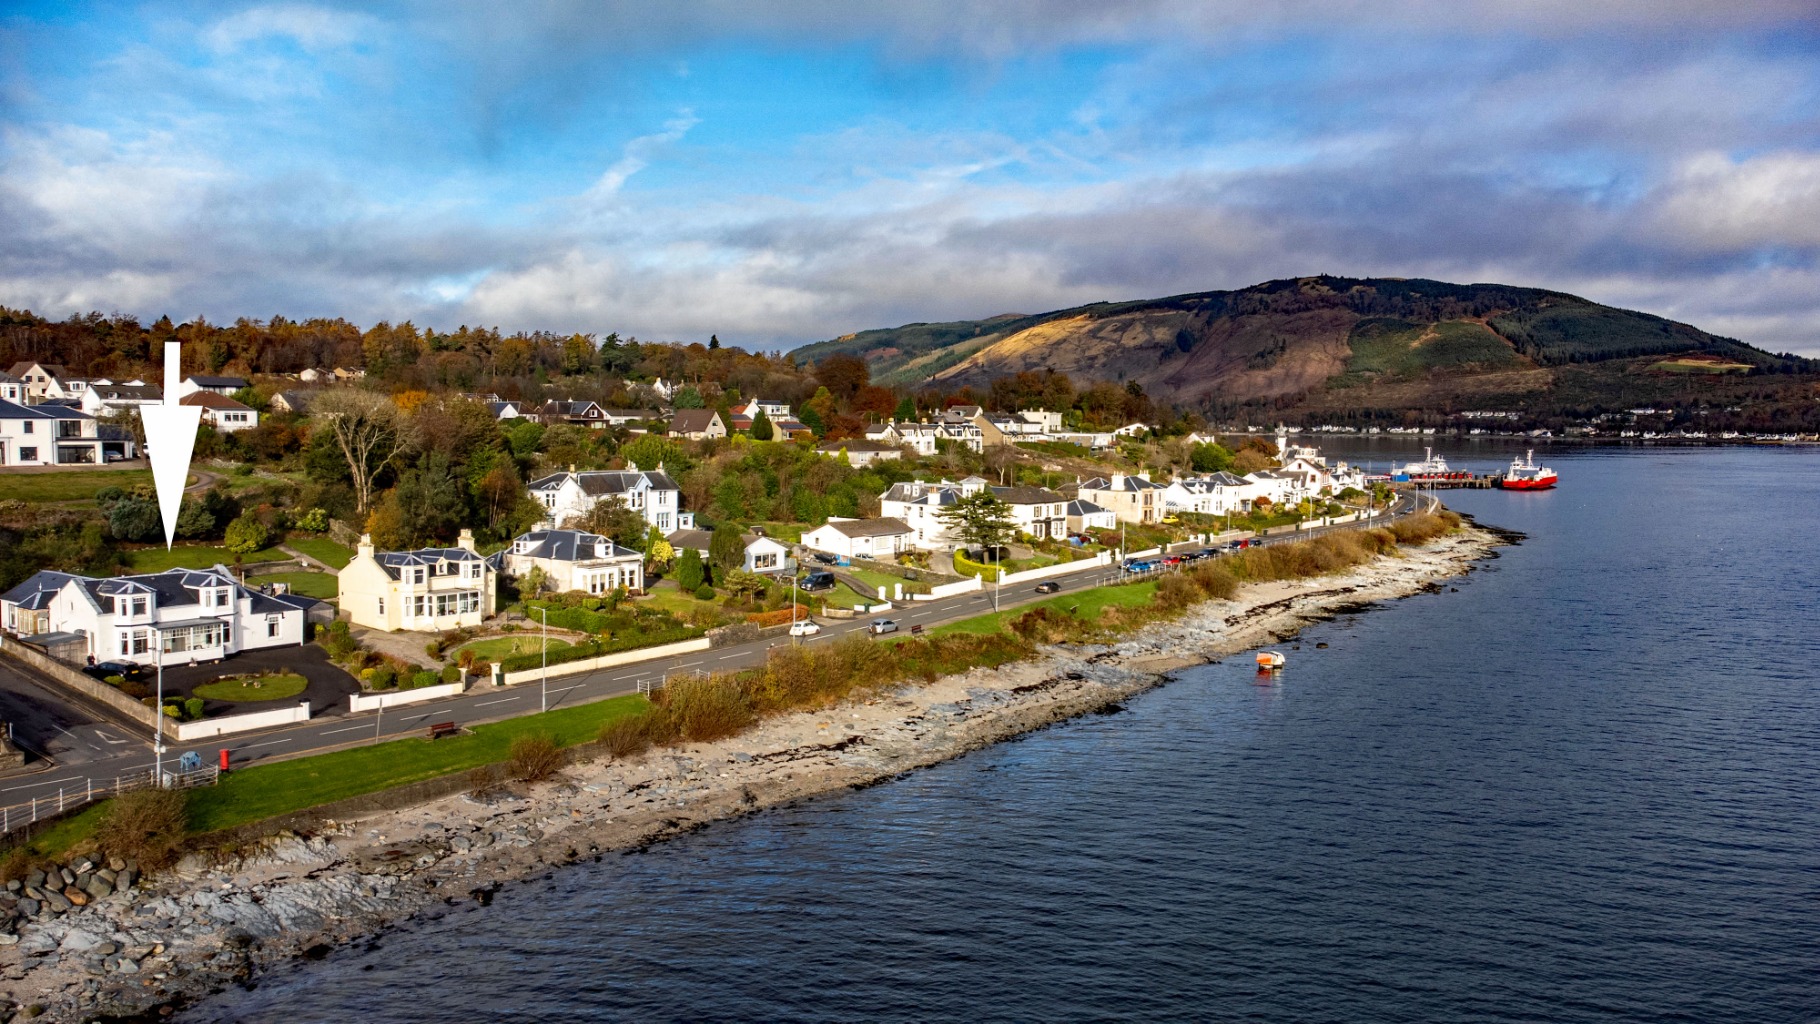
(503, 646)
(252, 794)
(277, 686)
(72, 484)
(58, 839)
(156, 559)
(1086, 603)
(878, 579)
(842, 596)
(309, 584)
(789, 533)
(324, 550)
(670, 598)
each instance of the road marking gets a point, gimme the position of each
(49, 782)
(350, 728)
(109, 740)
(558, 693)
(502, 700)
(267, 743)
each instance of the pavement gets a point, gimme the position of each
(101, 750)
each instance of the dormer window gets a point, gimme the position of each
(417, 575)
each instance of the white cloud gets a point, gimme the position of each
(637, 155)
(1712, 201)
(311, 28)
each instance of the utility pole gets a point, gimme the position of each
(544, 704)
(158, 718)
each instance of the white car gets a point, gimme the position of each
(804, 628)
(880, 627)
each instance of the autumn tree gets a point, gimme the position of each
(370, 431)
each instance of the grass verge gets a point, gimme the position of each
(72, 485)
(264, 791)
(324, 550)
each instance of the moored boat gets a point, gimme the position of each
(1525, 475)
(1270, 659)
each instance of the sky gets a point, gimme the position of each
(787, 172)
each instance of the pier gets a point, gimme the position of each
(1447, 481)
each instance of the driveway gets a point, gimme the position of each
(327, 693)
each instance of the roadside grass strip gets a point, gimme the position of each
(246, 795)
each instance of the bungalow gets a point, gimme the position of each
(1134, 499)
(293, 401)
(503, 411)
(56, 435)
(652, 494)
(223, 386)
(764, 555)
(175, 617)
(428, 589)
(697, 424)
(573, 560)
(1085, 515)
(1037, 511)
(221, 412)
(861, 453)
(861, 538)
(110, 399)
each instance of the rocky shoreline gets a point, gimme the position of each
(152, 945)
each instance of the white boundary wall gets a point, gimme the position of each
(356, 702)
(966, 586)
(187, 731)
(569, 668)
(1058, 569)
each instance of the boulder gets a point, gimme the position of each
(80, 941)
(76, 896)
(125, 880)
(98, 887)
(56, 901)
(34, 879)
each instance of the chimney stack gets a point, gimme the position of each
(466, 541)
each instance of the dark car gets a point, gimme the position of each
(817, 581)
(1048, 587)
(123, 669)
(825, 558)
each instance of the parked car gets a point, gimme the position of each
(879, 627)
(817, 581)
(124, 669)
(804, 628)
(825, 558)
(1048, 587)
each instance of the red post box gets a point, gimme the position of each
(224, 759)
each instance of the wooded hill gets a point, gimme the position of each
(1315, 342)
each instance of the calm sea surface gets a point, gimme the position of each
(1583, 787)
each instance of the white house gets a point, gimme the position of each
(861, 538)
(430, 589)
(1037, 511)
(918, 504)
(918, 437)
(581, 413)
(174, 617)
(1215, 494)
(573, 560)
(107, 399)
(1280, 488)
(1085, 515)
(764, 555)
(503, 411)
(1046, 422)
(12, 389)
(1134, 499)
(774, 411)
(222, 412)
(40, 379)
(223, 386)
(861, 453)
(651, 493)
(57, 435)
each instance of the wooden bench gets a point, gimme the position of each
(441, 729)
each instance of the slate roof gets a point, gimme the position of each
(836, 447)
(15, 411)
(173, 588)
(128, 392)
(685, 540)
(886, 527)
(296, 401)
(54, 369)
(1130, 483)
(601, 482)
(395, 562)
(569, 546)
(219, 382)
(922, 493)
(1025, 495)
(1083, 507)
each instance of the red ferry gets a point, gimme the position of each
(1525, 475)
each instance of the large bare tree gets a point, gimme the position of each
(371, 432)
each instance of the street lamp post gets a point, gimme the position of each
(544, 703)
(158, 712)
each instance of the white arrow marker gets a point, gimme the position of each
(170, 439)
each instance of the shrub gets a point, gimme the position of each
(485, 781)
(145, 825)
(1176, 592)
(192, 709)
(247, 534)
(704, 593)
(15, 865)
(428, 677)
(534, 758)
(433, 648)
(338, 627)
(451, 674)
(383, 678)
(480, 667)
(625, 737)
(707, 708)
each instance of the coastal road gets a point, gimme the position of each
(101, 751)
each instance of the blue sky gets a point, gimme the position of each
(788, 172)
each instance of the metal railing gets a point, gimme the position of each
(20, 816)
